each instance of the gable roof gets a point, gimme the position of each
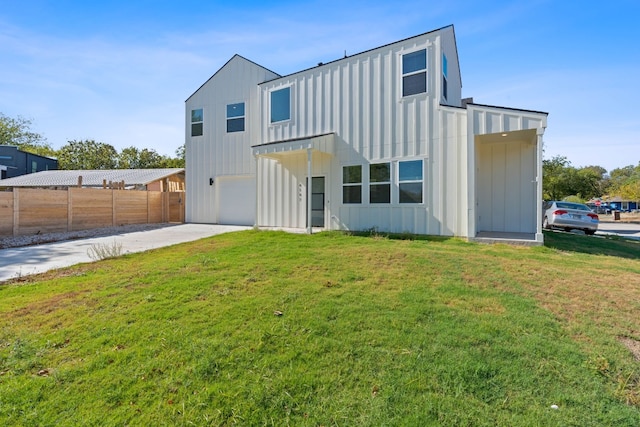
(331, 62)
(370, 50)
(90, 178)
(227, 63)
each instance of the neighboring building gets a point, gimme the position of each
(17, 162)
(619, 204)
(385, 136)
(169, 179)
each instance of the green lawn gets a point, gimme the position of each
(268, 328)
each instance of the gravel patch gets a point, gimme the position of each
(38, 239)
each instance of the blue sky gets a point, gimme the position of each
(120, 71)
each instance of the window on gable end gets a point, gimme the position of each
(444, 76)
(235, 117)
(196, 122)
(414, 73)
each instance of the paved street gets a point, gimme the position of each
(622, 229)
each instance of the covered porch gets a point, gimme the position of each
(505, 197)
(284, 170)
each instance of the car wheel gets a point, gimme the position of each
(567, 229)
(545, 224)
(589, 232)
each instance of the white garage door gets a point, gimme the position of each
(236, 200)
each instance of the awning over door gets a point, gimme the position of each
(324, 143)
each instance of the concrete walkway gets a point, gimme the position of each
(27, 260)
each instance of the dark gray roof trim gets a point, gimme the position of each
(363, 52)
(225, 64)
(293, 139)
(507, 108)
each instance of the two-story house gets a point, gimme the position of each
(377, 140)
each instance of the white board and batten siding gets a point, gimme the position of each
(218, 154)
(359, 98)
(481, 164)
(506, 147)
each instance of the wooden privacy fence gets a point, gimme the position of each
(27, 211)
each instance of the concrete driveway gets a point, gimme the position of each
(27, 260)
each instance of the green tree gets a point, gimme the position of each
(18, 132)
(625, 175)
(87, 154)
(588, 182)
(630, 191)
(552, 177)
(561, 180)
(175, 162)
(625, 182)
(133, 158)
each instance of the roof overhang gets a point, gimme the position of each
(324, 143)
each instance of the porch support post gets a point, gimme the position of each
(539, 191)
(255, 221)
(309, 198)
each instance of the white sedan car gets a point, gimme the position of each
(569, 216)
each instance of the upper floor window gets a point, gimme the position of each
(444, 76)
(281, 105)
(196, 122)
(352, 184)
(414, 72)
(380, 183)
(410, 181)
(235, 117)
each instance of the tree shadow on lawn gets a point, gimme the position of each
(595, 245)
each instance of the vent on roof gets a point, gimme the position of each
(466, 101)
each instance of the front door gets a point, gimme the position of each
(317, 201)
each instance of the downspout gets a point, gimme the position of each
(309, 195)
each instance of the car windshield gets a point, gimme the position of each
(576, 206)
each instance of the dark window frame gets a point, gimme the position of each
(445, 77)
(414, 73)
(411, 181)
(236, 119)
(351, 185)
(197, 122)
(379, 184)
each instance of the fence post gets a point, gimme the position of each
(69, 209)
(16, 211)
(166, 207)
(113, 207)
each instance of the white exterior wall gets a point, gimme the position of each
(360, 99)
(505, 184)
(217, 153)
(454, 79)
(352, 112)
(282, 189)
